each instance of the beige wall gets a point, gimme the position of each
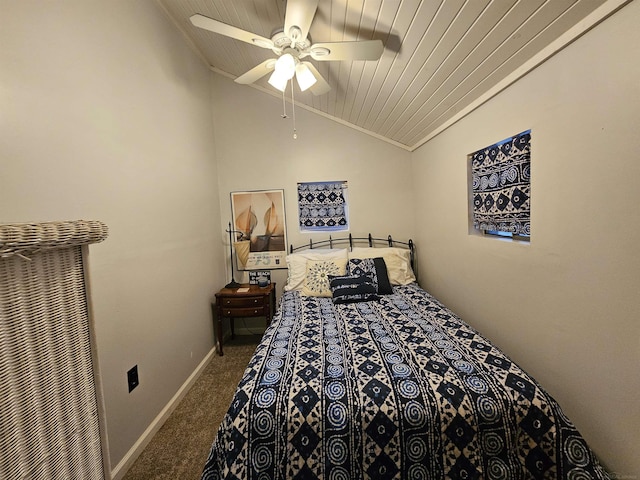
(105, 114)
(566, 306)
(256, 150)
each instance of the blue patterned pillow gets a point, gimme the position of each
(374, 268)
(352, 288)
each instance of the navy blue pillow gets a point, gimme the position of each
(352, 288)
(374, 268)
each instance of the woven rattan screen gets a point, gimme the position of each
(49, 422)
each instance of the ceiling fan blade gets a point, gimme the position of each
(321, 86)
(230, 31)
(299, 14)
(257, 72)
(362, 50)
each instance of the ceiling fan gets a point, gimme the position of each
(291, 44)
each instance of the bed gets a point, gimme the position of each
(352, 381)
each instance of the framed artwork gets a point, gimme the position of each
(256, 275)
(259, 229)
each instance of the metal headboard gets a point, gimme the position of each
(351, 241)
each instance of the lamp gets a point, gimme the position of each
(232, 283)
(284, 70)
(304, 76)
(286, 67)
(278, 81)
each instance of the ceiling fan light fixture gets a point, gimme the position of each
(304, 76)
(278, 81)
(291, 43)
(286, 66)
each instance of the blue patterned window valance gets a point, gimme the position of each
(322, 206)
(501, 183)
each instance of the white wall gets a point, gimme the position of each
(256, 150)
(566, 306)
(106, 115)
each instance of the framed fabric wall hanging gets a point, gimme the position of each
(501, 186)
(322, 207)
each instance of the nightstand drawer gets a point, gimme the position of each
(244, 311)
(242, 301)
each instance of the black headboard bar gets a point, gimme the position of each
(333, 242)
(352, 241)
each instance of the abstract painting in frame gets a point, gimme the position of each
(260, 231)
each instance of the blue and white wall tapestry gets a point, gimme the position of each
(501, 186)
(322, 206)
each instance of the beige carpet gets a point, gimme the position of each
(180, 448)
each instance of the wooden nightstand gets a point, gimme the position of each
(232, 303)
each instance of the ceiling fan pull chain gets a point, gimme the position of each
(293, 109)
(284, 106)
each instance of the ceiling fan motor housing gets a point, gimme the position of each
(282, 41)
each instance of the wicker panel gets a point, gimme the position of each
(28, 238)
(49, 424)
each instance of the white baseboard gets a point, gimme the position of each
(118, 472)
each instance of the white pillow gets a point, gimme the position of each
(316, 283)
(398, 261)
(297, 264)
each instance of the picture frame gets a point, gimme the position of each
(256, 275)
(259, 229)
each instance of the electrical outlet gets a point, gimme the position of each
(132, 378)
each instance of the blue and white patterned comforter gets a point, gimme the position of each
(398, 388)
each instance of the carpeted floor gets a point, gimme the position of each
(180, 448)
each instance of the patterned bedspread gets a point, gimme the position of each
(399, 388)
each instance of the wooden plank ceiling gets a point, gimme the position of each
(441, 57)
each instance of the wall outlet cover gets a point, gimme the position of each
(132, 378)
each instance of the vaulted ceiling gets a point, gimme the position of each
(441, 58)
